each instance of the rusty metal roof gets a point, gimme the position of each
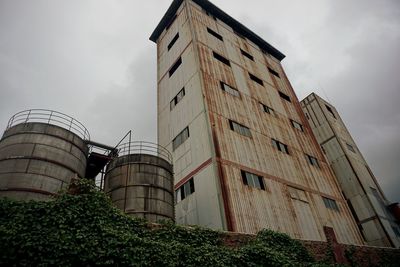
(218, 13)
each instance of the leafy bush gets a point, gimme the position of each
(84, 228)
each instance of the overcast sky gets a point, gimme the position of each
(92, 59)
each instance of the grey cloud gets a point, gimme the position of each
(93, 60)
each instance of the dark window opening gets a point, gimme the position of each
(297, 125)
(244, 53)
(184, 190)
(351, 148)
(239, 128)
(221, 58)
(175, 66)
(284, 96)
(173, 41)
(180, 138)
(330, 110)
(312, 160)
(273, 72)
(256, 79)
(253, 180)
(280, 146)
(171, 22)
(216, 35)
(266, 109)
(229, 89)
(330, 204)
(177, 98)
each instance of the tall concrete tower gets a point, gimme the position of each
(366, 199)
(244, 155)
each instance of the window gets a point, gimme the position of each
(312, 160)
(175, 66)
(241, 129)
(221, 58)
(184, 190)
(229, 89)
(297, 125)
(253, 180)
(173, 41)
(180, 138)
(330, 203)
(273, 72)
(330, 110)
(286, 97)
(171, 22)
(177, 98)
(244, 53)
(280, 146)
(216, 35)
(351, 148)
(266, 108)
(256, 79)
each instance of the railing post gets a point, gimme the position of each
(27, 117)
(70, 125)
(51, 114)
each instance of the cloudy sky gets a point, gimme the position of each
(92, 59)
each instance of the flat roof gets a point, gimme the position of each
(221, 15)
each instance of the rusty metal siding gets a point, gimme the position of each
(205, 105)
(252, 211)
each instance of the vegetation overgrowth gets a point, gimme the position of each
(82, 228)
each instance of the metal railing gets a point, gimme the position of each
(143, 147)
(50, 117)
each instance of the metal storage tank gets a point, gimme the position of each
(40, 152)
(140, 181)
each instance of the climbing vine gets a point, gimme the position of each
(82, 228)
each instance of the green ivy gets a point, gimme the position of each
(82, 228)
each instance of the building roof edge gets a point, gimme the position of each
(214, 10)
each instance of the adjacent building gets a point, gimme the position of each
(244, 155)
(359, 185)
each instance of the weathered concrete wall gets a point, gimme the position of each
(358, 183)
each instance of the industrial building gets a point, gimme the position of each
(365, 198)
(244, 155)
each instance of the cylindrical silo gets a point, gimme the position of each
(40, 152)
(140, 181)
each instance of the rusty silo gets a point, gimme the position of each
(140, 181)
(40, 152)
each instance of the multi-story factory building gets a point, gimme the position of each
(245, 157)
(359, 185)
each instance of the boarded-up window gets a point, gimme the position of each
(330, 204)
(297, 194)
(180, 138)
(229, 89)
(239, 128)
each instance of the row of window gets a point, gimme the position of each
(252, 180)
(243, 130)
